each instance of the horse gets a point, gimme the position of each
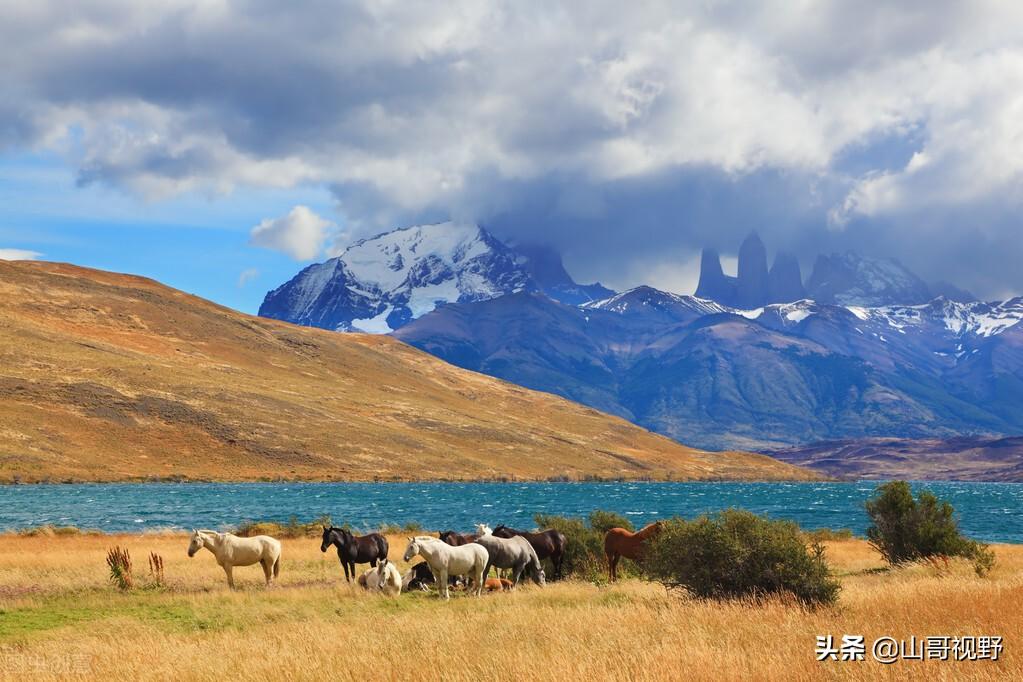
(619, 543)
(384, 577)
(231, 550)
(483, 529)
(457, 539)
(354, 549)
(445, 560)
(495, 584)
(549, 544)
(515, 553)
(420, 577)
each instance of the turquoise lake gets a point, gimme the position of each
(986, 511)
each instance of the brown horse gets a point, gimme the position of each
(549, 544)
(457, 539)
(619, 543)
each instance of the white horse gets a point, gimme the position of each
(446, 560)
(385, 577)
(483, 529)
(231, 550)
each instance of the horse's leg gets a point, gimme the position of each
(230, 575)
(612, 565)
(442, 576)
(267, 565)
(486, 570)
(352, 564)
(557, 560)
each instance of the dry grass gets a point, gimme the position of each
(114, 377)
(58, 606)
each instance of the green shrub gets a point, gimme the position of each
(737, 554)
(904, 529)
(603, 521)
(584, 551)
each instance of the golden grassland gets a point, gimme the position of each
(114, 377)
(58, 608)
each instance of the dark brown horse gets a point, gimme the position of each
(457, 539)
(354, 549)
(549, 544)
(619, 543)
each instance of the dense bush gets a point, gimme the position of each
(905, 529)
(603, 521)
(736, 554)
(584, 552)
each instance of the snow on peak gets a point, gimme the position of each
(381, 283)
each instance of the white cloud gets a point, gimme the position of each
(418, 110)
(18, 254)
(300, 234)
(246, 276)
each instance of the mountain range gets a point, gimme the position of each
(110, 377)
(863, 348)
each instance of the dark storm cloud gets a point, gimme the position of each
(628, 138)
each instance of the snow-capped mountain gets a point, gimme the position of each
(656, 305)
(849, 278)
(379, 284)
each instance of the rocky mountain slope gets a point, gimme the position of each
(114, 377)
(780, 374)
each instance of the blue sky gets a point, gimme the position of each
(197, 243)
(196, 140)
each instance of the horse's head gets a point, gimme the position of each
(446, 536)
(196, 543)
(540, 577)
(327, 539)
(412, 549)
(483, 529)
(501, 532)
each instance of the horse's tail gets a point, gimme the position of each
(382, 547)
(277, 566)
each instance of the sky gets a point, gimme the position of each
(220, 146)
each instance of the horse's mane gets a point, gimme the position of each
(647, 529)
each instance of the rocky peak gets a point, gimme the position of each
(785, 281)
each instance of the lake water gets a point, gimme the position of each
(986, 511)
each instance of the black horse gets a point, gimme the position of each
(422, 578)
(549, 544)
(354, 549)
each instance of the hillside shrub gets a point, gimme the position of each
(904, 529)
(737, 554)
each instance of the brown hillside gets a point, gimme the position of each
(114, 377)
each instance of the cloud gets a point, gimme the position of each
(300, 234)
(246, 276)
(19, 254)
(508, 111)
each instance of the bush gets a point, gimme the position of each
(292, 529)
(904, 529)
(603, 521)
(737, 554)
(584, 551)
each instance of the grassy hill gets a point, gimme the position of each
(113, 377)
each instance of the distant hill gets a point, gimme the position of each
(115, 377)
(966, 458)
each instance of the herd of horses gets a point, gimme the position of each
(448, 560)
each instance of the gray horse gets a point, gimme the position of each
(515, 553)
